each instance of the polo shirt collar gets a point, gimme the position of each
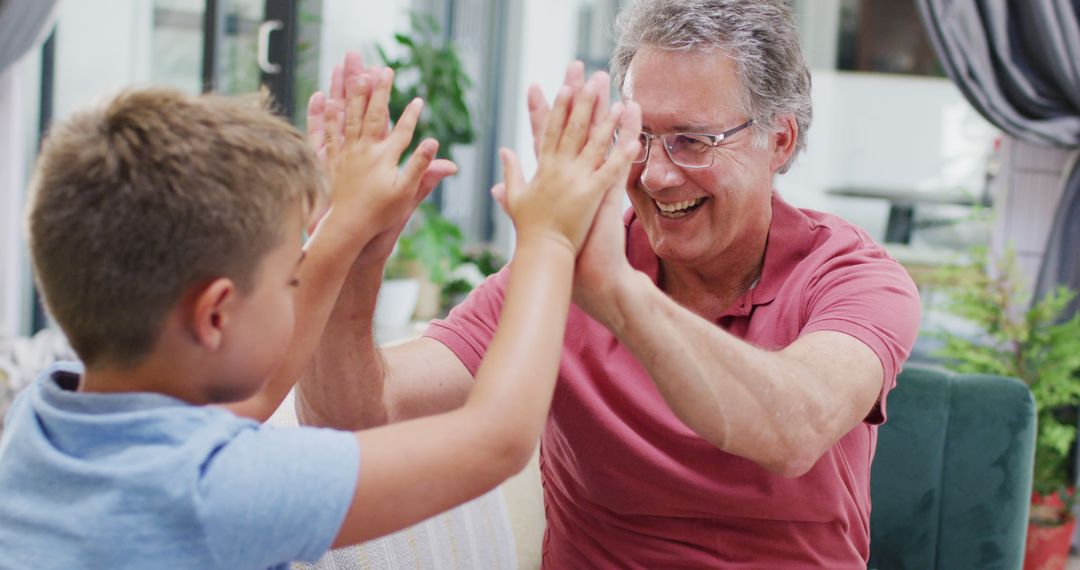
(788, 242)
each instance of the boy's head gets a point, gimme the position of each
(135, 203)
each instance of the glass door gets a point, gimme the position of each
(227, 46)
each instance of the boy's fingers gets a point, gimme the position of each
(498, 192)
(512, 175)
(538, 114)
(402, 134)
(357, 93)
(601, 137)
(578, 125)
(377, 118)
(418, 163)
(315, 124)
(556, 120)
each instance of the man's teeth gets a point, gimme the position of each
(677, 206)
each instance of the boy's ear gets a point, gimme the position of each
(210, 312)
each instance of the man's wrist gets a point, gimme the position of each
(624, 295)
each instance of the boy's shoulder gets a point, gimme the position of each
(198, 484)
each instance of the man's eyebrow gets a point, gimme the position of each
(695, 128)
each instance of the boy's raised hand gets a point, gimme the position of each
(362, 163)
(578, 165)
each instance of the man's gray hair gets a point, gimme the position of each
(759, 34)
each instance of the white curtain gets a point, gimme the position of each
(13, 275)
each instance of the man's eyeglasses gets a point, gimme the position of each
(688, 150)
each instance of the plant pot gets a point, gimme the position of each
(396, 303)
(1047, 547)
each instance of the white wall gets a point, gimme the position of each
(887, 131)
(101, 47)
(349, 25)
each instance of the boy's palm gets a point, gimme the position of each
(575, 168)
(363, 164)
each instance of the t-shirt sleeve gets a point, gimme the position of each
(468, 329)
(273, 495)
(867, 295)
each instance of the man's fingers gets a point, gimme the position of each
(630, 126)
(603, 80)
(575, 75)
(377, 118)
(402, 134)
(337, 84)
(439, 169)
(603, 100)
(538, 114)
(556, 121)
(618, 161)
(354, 66)
(316, 126)
(331, 118)
(418, 163)
(601, 136)
(357, 93)
(578, 125)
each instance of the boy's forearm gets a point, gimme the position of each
(529, 338)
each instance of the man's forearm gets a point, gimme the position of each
(765, 406)
(343, 385)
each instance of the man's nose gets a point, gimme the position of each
(659, 172)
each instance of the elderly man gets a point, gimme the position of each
(728, 358)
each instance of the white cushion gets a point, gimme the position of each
(477, 534)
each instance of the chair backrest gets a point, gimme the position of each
(951, 480)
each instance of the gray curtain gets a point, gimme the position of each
(23, 24)
(1018, 63)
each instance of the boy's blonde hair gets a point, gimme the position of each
(135, 202)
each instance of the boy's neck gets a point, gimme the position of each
(167, 379)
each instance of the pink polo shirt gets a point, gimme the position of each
(628, 485)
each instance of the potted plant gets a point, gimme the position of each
(1032, 342)
(429, 68)
(428, 250)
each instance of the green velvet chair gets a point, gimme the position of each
(951, 479)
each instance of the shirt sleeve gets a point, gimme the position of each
(867, 295)
(273, 495)
(468, 329)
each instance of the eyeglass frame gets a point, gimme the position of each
(714, 141)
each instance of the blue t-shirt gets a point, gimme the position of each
(142, 480)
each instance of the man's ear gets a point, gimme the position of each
(210, 310)
(785, 141)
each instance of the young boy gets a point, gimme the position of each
(165, 233)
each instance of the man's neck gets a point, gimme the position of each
(709, 288)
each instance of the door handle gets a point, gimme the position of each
(265, 29)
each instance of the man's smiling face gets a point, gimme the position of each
(693, 216)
